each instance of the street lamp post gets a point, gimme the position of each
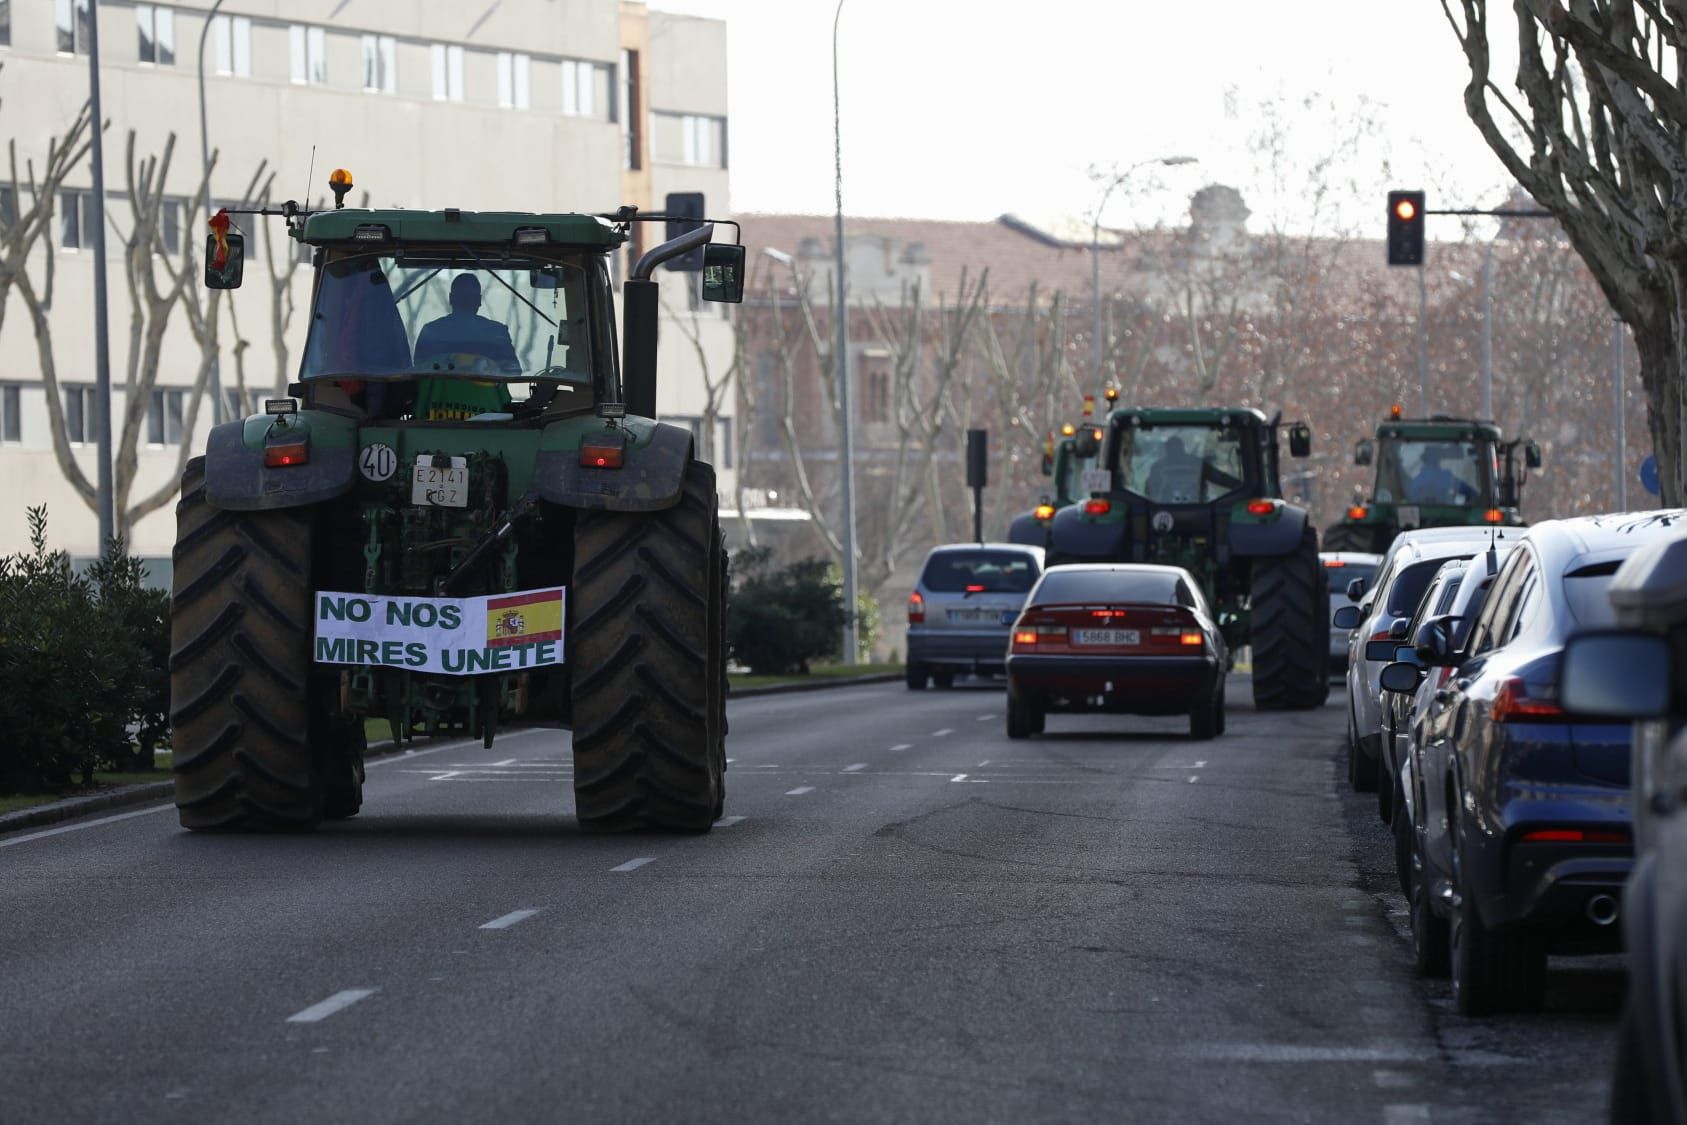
(205, 171)
(104, 498)
(845, 399)
(1095, 249)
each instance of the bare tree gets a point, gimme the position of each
(715, 388)
(1598, 140)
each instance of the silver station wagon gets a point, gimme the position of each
(962, 609)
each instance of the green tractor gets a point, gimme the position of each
(1073, 454)
(1434, 472)
(464, 515)
(1199, 488)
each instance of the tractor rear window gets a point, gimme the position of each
(999, 572)
(451, 315)
(1181, 464)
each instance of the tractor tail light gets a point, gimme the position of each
(1044, 512)
(1357, 512)
(603, 451)
(295, 451)
(1098, 507)
(1261, 507)
(1494, 515)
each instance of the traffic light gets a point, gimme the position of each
(1405, 228)
(685, 209)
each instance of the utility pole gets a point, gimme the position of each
(205, 171)
(1423, 348)
(1488, 332)
(102, 333)
(1622, 421)
(852, 636)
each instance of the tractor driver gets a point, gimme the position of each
(463, 331)
(1437, 484)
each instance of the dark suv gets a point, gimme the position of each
(1641, 672)
(1527, 833)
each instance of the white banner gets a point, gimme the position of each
(456, 636)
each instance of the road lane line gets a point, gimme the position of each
(728, 821)
(635, 864)
(83, 824)
(941, 733)
(508, 920)
(1200, 763)
(409, 755)
(984, 763)
(337, 1002)
(446, 776)
(506, 762)
(985, 718)
(856, 767)
(959, 777)
(1193, 778)
(903, 746)
(799, 791)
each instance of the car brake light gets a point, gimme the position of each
(1358, 512)
(1025, 636)
(1335, 562)
(1512, 703)
(975, 588)
(1573, 836)
(1044, 511)
(1193, 638)
(1107, 613)
(916, 609)
(1494, 515)
(294, 452)
(1098, 507)
(603, 450)
(1261, 507)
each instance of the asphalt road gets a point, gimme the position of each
(903, 917)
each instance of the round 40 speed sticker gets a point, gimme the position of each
(378, 462)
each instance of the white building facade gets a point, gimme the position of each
(526, 105)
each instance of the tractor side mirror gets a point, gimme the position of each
(1532, 455)
(723, 272)
(1616, 674)
(1363, 451)
(1300, 440)
(1347, 617)
(233, 256)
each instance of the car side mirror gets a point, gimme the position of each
(1532, 455)
(1400, 677)
(232, 256)
(723, 272)
(1398, 630)
(1347, 617)
(1300, 440)
(1363, 451)
(1616, 674)
(1433, 644)
(1356, 590)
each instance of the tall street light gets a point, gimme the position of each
(104, 500)
(845, 399)
(205, 171)
(1113, 182)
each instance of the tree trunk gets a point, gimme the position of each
(1661, 343)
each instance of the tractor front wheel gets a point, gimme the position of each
(648, 646)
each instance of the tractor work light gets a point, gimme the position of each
(370, 232)
(1111, 394)
(1068, 430)
(526, 235)
(603, 451)
(339, 182)
(280, 406)
(1098, 433)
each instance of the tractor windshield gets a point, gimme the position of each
(450, 314)
(1181, 464)
(1436, 471)
(1071, 467)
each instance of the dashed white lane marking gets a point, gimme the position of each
(506, 762)
(799, 791)
(1200, 763)
(941, 733)
(635, 864)
(984, 763)
(903, 746)
(985, 718)
(728, 821)
(508, 920)
(1402, 1114)
(959, 777)
(856, 767)
(335, 1003)
(1193, 778)
(84, 824)
(731, 761)
(446, 776)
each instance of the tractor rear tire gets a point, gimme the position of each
(1347, 537)
(1290, 641)
(240, 666)
(648, 646)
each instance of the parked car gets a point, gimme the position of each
(1526, 838)
(963, 606)
(1640, 671)
(1124, 638)
(1340, 569)
(1379, 625)
(1437, 601)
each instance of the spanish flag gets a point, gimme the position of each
(524, 619)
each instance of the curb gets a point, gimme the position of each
(126, 795)
(814, 685)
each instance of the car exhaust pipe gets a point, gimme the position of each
(1602, 910)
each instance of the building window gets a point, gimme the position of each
(631, 113)
(5, 23)
(515, 80)
(234, 45)
(380, 69)
(723, 442)
(447, 73)
(79, 415)
(71, 20)
(8, 201)
(164, 417)
(11, 416)
(689, 138)
(170, 225)
(585, 89)
(875, 387)
(77, 221)
(157, 28)
(310, 54)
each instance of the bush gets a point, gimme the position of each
(780, 620)
(82, 659)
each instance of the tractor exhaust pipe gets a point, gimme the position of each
(1602, 910)
(639, 308)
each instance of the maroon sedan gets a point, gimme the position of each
(1122, 638)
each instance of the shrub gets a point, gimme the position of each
(780, 620)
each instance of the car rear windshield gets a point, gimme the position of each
(1338, 575)
(1588, 594)
(1408, 587)
(999, 572)
(1083, 587)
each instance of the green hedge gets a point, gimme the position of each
(780, 620)
(84, 666)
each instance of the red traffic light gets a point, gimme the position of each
(1406, 210)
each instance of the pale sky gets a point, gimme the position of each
(968, 110)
